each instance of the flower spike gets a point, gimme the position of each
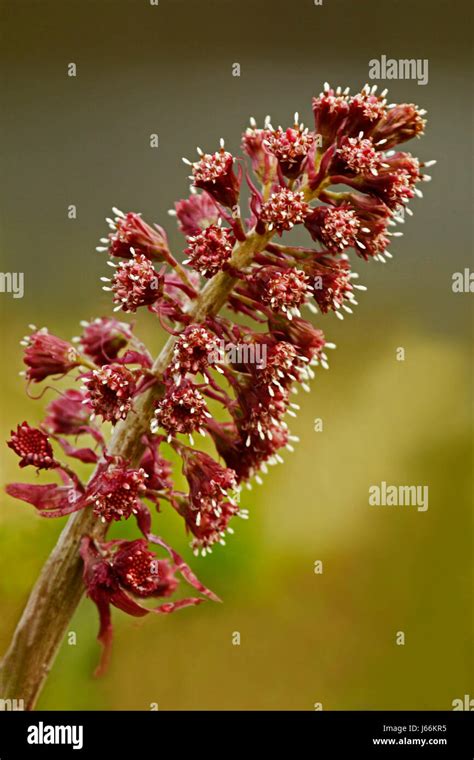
(233, 303)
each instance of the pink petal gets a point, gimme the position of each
(50, 500)
(84, 455)
(180, 604)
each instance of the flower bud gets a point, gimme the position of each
(47, 355)
(214, 173)
(131, 234)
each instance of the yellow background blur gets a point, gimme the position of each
(305, 637)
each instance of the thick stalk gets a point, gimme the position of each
(59, 588)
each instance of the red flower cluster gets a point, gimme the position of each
(283, 210)
(212, 361)
(117, 572)
(132, 236)
(181, 410)
(290, 147)
(32, 446)
(215, 174)
(284, 290)
(109, 391)
(210, 250)
(115, 495)
(46, 355)
(135, 283)
(193, 350)
(336, 228)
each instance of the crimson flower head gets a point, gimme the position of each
(182, 410)
(210, 250)
(115, 493)
(215, 174)
(116, 573)
(308, 340)
(33, 447)
(282, 367)
(331, 281)
(110, 391)
(135, 283)
(290, 147)
(393, 188)
(283, 290)
(103, 339)
(359, 156)
(366, 110)
(140, 572)
(247, 454)
(196, 213)
(259, 411)
(374, 216)
(131, 234)
(336, 228)
(403, 162)
(400, 123)
(193, 349)
(208, 509)
(46, 355)
(208, 481)
(264, 164)
(283, 210)
(209, 527)
(330, 111)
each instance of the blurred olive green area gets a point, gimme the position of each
(305, 637)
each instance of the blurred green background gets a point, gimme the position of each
(305, 637)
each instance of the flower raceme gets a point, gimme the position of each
(295, 175)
